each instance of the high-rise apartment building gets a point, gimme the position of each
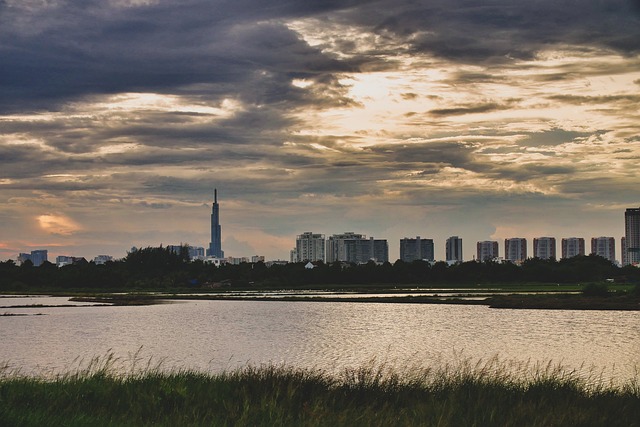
(356, 248)
(416, 249)
(487, 250)
(215, 246)
(632, 235)
(380, 248)
(544, 247)
(310, 247)
(515, 249)
(453, 249)
(572, 246)
(604, 247)
(623, 250)
(37, 257)
(194, 252)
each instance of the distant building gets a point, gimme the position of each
(487, 250)
(257, 258)
(604, 247)
(37, 257)
(632, 235)
(515, 250)
(293, 255)
(102, 259)
(544, 247)
(453, 249)
(310, 247)
(194, 252)
(275, 262)
(572, 246)
(380, 250)
(416, 249)
(356, 248)
(623, 250)
(63, 260)
(215, 261)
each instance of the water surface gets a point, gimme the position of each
(223, 335)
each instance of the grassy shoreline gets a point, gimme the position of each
(521, 296)
(557, 301)
(469, 394)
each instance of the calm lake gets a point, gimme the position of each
(223, 335)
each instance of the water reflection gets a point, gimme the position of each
(222, 335)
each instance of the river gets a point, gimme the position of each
(223, 335)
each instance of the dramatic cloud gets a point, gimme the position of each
(57, 224)
(392, 119)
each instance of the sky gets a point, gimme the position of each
(392, 118)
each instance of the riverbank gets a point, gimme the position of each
(546, 301)
(480, 394)
(565, 302)
(593, 296)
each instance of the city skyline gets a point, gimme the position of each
(396, 119)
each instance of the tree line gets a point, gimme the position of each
(159, 268)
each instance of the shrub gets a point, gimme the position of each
(595, 290)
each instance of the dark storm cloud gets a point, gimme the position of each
(61, 50)
(630, 99)
(54, 51)
(501, 30)
(472, 109)
(412, 155)
(551, 137)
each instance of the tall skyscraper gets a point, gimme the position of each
(515, 249)
(632, 235)
(572, 246)
(453, 249)
(544, 247)
(416, 249)
(310, 247)
(487, 250)
(604, 247)
(215, 246)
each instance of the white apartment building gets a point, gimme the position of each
(515, 250)
(487, 250)
(310, 247)
(604, 247)
(544, 247)
(572, 246)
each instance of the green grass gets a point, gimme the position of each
(481, 394)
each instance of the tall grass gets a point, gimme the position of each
(460, 394)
